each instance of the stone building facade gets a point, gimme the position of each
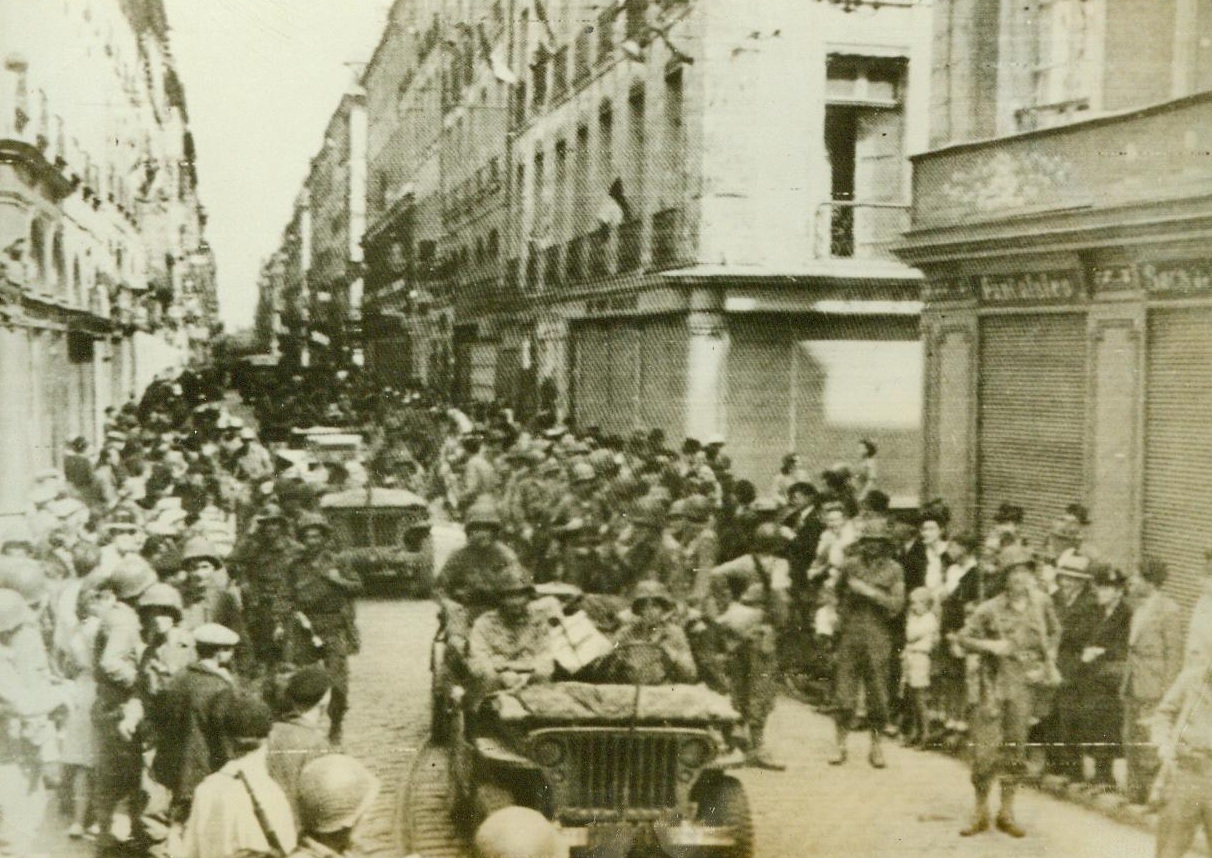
(673, 215)
(1061, 222)
(105, 275)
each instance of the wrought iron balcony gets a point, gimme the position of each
(852, 229)
(629, 250)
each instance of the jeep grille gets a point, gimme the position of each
(609, 771)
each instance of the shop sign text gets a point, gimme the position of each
(1031, 286)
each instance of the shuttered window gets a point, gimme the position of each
(1032, 416)
(1178, 446)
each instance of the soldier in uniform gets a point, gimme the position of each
(529, 502)
(700, 548)
(119, 646)
(1016, 633)
(582, 500)
(262, 560)
(871, 596)
(471, 581)
(1182, 732)
(653, 627)
(760, 582)
(324, 626)
(510, 646)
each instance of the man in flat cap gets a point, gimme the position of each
(189, 718)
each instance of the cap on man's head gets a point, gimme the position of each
(307, 687)
(215, 635)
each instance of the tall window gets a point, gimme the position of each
(673, 143)
(864, 128)
(635, 149)
(1062, 40)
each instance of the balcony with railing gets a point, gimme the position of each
(599, 252)
(574, 260)
(853, 229)
(553, 273)
(629, 245)
(666, 239)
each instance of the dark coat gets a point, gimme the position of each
(188, 719)
(802, 548)
(1079, 620)
(1096, 685)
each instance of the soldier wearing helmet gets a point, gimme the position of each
(651, 648)
(700, 548)
(116, 668)
(471, 581)
(510, 646)
(871, 596)
(529, 502)
(582, 500)
(324, 627)
(169, 648)
(208, 596)
(638, 553)
(335, 791)
(760, 580)
(260, 561)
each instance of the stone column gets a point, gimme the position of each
(707, 353)
(1116, 411)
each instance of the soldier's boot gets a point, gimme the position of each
(759, 755)
(980, 814)
(1005, 815)
(839, 749)
(876, 755)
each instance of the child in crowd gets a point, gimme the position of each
(921, 637)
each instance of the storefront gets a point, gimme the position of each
(1068, 331)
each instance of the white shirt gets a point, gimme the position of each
(934, 566)
(222, 821)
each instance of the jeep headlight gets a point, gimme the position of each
(692, 753)
(548, 752)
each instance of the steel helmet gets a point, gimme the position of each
(583, 472)
(200, 548)
(131, 578)
(24, 577)
(335, 790)
(519, 832)
(652, 591)
(14, 613)
(483, 513)
(161, 595)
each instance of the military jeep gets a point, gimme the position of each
(624, 770)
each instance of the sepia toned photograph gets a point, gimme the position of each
(605, 428)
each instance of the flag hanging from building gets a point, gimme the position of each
(495, 59)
